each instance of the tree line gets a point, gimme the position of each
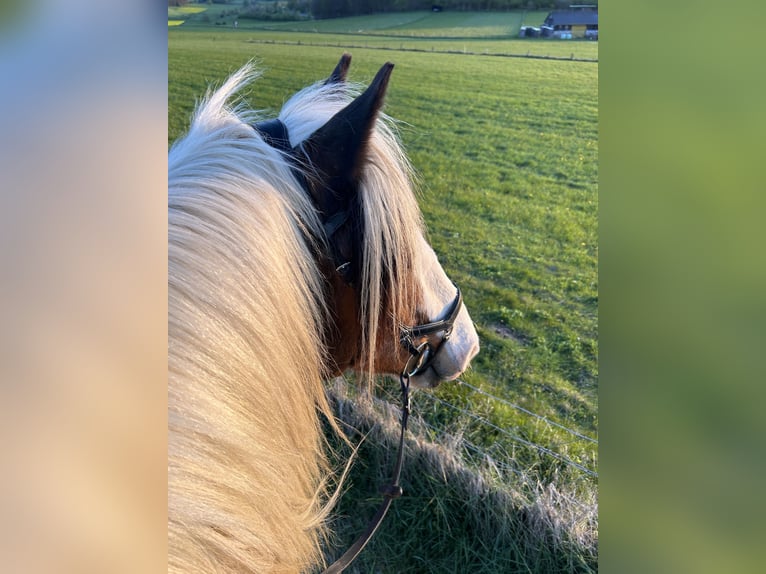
(340, 8)
(321, 9)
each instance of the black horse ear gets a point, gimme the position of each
(341, 70)
(336, 151)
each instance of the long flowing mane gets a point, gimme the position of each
(247, 305)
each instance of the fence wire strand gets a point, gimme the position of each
(513, 437)
(498, 465)
(527, 411)
(391, 398)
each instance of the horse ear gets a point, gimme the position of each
(336, 150)
(338, 75)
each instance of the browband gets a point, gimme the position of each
(274, 133)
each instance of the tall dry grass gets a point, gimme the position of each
(456, 515)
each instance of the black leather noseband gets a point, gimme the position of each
(423, 355)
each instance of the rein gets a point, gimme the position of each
(420, 360)
(389, 491)
(274, 133)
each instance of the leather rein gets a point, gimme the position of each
(422, 356)
(421, 359)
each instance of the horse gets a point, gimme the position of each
(296, 253)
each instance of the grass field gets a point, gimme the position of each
(507, 153)
(420, 24)
(478, 32)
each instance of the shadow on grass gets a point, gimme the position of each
(453, 517)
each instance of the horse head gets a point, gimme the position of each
(393, 308)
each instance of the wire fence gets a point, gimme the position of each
(494, 459)
(432, 50)
(527, 411)
(514, 437)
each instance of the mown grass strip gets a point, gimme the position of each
(464, 51)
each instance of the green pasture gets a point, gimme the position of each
(484, 46)
(414, 24)
(177, 15)
(506, 150)
(477, 32)
(420, 24)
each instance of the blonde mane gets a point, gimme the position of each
(247, 471)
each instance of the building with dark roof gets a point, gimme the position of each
(579, 21)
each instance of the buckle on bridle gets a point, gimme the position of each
(424, 354)
(419, 361)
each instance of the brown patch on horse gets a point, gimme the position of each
(390, 355)
(345, 335)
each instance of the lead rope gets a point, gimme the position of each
(389, 491)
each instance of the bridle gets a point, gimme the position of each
(422, 355)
